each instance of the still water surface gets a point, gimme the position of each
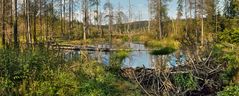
(135, 58)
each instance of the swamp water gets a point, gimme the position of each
(135, 59)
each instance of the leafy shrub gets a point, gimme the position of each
(230, 35)
(227, 55)
(125, 38)
(117, 59)
(44, 72)
(185, 81)
(230, 91)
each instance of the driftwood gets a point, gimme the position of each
(94, 48)
(149, 80)
(158, 81)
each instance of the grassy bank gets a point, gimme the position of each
(44, 72)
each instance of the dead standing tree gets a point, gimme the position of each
(85, 10)
(108, 7)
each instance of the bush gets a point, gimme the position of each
(230, 91)
(185, 81)
(116, 59)
(44, 72)
(226, 54)
(230, 35)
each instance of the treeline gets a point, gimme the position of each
(37, 21)
(34, 21)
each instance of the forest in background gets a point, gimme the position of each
(207, 31)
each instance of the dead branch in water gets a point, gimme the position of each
(160, 80)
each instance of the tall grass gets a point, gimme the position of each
(45, 72)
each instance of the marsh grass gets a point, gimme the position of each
(44, 72)
(163, 47)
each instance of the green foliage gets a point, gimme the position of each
(30, 71)
(232, 67)
(227, 55)
(163, 51)
(125, 38)
(136, 38)
(95, 80)
(154, 44)
(167, 42)
(185, 81)
(43, 72)
(162, 47)
(230, 91)
(117, 59)
(230, 35)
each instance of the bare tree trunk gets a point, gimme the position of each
(110, 22)
(62, 33)
(202, 23)
(25, 20)
(69, 30)
(130, 17)
(72, 17)
(186, 18)
(216, 21)
(160, 19)
(34, 21)
(15, 31)
(98, 23)
(28, 39)
(149, 12)
(52, 20)
(85, 19)
(11, 23)
(101, 28)
(40, 17)
(46, 18)
(64, 12)
(3, 23)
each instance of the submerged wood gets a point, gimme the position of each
(94, 48)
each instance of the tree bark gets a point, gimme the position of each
(62, 33)
(40, 17)
(64, 19)
(27, 8)
(52, 20)
(3, 23)
(11, 22)
(15, 30)
(97, 8)
(160, 20)
(202, 24)
(130, 17)
(85, 20)
(69, 32)
(34, 21)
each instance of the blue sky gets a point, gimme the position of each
(141, 7)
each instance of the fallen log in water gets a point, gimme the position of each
(94, 48)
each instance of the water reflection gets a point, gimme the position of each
(135, 59)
